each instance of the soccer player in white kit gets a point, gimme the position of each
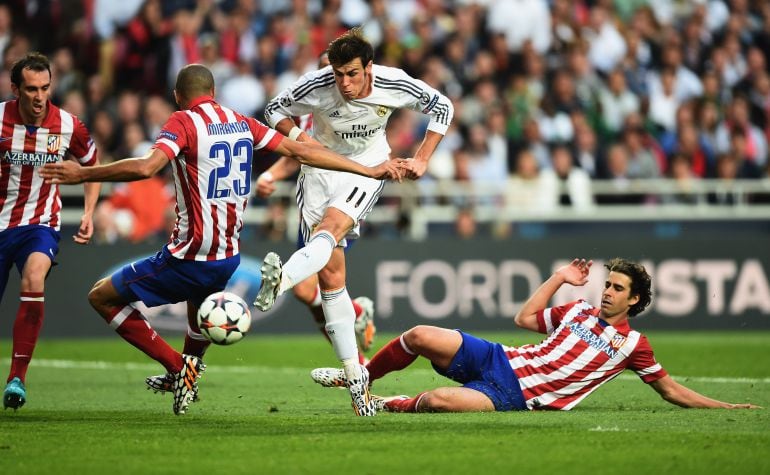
(586, 347)
(308, 292)
(351, 101)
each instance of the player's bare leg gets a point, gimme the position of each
(440, 346)
(132, 326)
(195, 344)
(26, 327)
(447, 399)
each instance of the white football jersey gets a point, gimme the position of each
(356, 128)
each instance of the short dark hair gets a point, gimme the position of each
(194, 80)
(349, 46)
(34, 61)
(641, 282)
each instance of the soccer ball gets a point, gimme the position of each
(224, 318)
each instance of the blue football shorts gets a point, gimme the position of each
(162, 279)
(482, 365)
(16, 244)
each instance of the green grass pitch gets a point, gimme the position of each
(88, 412)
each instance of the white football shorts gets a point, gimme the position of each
(354, 195)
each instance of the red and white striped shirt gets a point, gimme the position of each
(211, 148)
(25, 199)
(581, 353)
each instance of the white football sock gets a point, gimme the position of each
(308, 260)
(338, 310)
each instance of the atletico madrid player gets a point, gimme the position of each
(35, 132)
(586, 347)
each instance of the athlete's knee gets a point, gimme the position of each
(419, 338)
(437, 400)
(33, 282)
(97, 296)
(331, 279)
(33, 276)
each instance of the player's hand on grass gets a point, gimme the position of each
(67, 172)
(745, 406)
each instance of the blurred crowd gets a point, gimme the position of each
(550, 95)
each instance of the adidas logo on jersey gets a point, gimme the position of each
(335, 114)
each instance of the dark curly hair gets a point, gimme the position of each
(349, 46)
(641, 282)
(33, 61)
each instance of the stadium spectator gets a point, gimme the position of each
(618, 177)
(689, 144)
(727, 171)
(525, 191)
(522, 22)
(35, 132)
(6, 29)
(586, 151)
(566, 184)
(759, 99)
(144, 51)
(606, 45)
(211, 57)
(641, 158)
(243, 91)
(485, 167)
(545, 376)
(334, 204)
(737, 120)
(617, 102)
(466, 227)
(203, 250)
(680, 169)
(664, 103)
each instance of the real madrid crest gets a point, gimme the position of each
(381, 111)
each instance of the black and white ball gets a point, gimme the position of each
(224, 318)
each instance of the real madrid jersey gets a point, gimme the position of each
(356, 128)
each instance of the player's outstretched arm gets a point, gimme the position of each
(683, 396)
(321, 157)
(575, 273)
(129, 169)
